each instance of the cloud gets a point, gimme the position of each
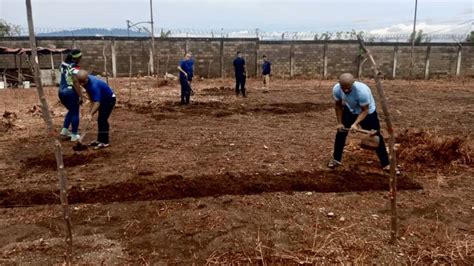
(425, 27)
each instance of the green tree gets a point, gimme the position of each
(419, 36)
(470, 37)
(7, 29)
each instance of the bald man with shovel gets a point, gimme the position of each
(103, 100)
(355, 107)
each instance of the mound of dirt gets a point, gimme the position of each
(7, 121)
(421, 147)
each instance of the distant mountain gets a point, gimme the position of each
(96, 32)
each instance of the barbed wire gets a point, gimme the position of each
(241, 33)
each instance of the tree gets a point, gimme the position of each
(470, 37)
(419, 36)
(7, 29)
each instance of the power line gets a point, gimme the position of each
(453, 27)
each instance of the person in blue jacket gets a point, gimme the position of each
(240, 75)
(184, 74)
(266, 72)
(70, 94)
(103, 100)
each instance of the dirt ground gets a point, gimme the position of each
(240, 180)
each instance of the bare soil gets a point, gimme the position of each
(240, 180)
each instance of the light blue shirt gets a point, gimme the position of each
(360, 95)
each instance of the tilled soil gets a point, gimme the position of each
(240, 180)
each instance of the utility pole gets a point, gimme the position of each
(152, 57)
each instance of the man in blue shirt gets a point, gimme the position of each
(103, 101)
(240, 75)
(355, 106)
(266, 72)
(70, 94)
(191, 71)
(185, 71)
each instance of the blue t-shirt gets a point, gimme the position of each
(98, 90)
(359, 96)
(266, 68)
(185, 66)
(239, 64)
(190, 68)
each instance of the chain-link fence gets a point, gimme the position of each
(243, 33)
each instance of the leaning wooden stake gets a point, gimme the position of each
(105, 66)
(130, 81)
(49, 123)
(393, 156)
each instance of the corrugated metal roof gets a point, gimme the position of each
(41, 50)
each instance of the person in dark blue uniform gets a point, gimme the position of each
(184, 73)
(240, 75)
(266, 72)
(70, 94)
(191, 71)
(103, 101)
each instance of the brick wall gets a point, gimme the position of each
(213, 57)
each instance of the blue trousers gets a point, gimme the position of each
(185, 91)
(370, 122)
(240, 84)
(70, 100)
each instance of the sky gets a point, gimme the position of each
(375, 16)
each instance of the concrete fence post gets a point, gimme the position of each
(221, 52)
(292, 60)
(458, 63)
(114, 59)
(325, 61)
(427, 62)
(257, 47)
(395, 61)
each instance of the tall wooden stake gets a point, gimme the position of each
(105, 66)
(130, 81)
(393, 155)
(49, 123)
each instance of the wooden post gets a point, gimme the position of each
(114, 59)
(209, 69)
(393, 156)
(427, 62)
(257, 47)
(360, 66)
(292, 60)
(53, 74)
(130, 81)
(458, 63)
(325, 61)
(221, 51)
(105, 66)
(51, 133)
(395, 63)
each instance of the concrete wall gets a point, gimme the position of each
(290, 58)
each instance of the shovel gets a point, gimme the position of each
(79, 145)
(370, 142)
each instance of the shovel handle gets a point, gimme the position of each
(359, 130)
